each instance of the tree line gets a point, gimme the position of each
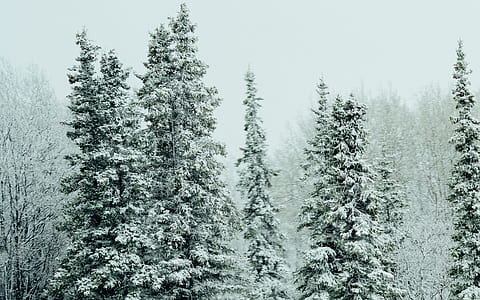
(142, 210)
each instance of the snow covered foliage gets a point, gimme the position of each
(391, 194)
(416, 143)
(191, 216)
(32, 143)
(105, 253)
(391, 200)
(346, 259)
(317, 150)
(465, 188)
(265, 250)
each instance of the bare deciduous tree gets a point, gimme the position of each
(31, 161)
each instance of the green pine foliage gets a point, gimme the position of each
(265, 249)
(191, 215)
(317, 150)
(102, 259)
(315, 276)
(346, 259)
(465, 188)
(391, 195)
(315, 165)
(391, 207)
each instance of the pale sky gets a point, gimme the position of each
(288, 44)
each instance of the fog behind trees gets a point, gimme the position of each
(407, 124)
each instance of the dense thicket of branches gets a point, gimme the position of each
(32, 144)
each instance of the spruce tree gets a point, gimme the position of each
(465, 188)
(191, 213)
(391, 205)
(265, 250)
(390, 194)
(315, 276)
(316, 158)
(346, 260)
(105, 254)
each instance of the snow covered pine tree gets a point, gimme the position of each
(346, 260)
(101, 220)
(265, 250)
(465, 188)
(315, 278)
(193, 214)
(392, 197)
(392, 200)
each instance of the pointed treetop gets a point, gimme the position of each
(464, 188)
(86, 45)
(86, 59)
(322, 89)
(461, 93)
(251, 87)
(182, 23)
(461, 65)
(81, 37)
(321, 110)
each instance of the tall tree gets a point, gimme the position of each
(315, 276)
(316, 150)
(391, 204)
(346, 260)
(465, 188)
(265, 250)
(106, 250)
(192, 213)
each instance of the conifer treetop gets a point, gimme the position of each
(346, 259)
(265, 251)
(465, 191)
(462, 96)
(190, 206)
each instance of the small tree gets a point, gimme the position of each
(465, 188)
(265, 248)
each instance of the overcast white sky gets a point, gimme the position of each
(289, 45)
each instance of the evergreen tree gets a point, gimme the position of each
(105, 254)
(316, 151)
(391, 204)
(465, 188)
(316, 158)
(191, 215)
(390, 194)
(265, 251)
(315, 277)
(346, 260)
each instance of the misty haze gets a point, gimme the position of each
(174, 150)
